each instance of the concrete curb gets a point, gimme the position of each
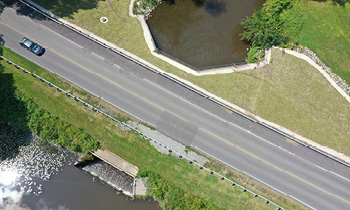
(200, 90)
(320, 69)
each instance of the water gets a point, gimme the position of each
(202, 33)
(113, 177)
(45, 178)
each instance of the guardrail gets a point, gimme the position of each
(188, 87)
(170, 150)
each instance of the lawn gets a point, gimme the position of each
(326, 31)
(133, 148)
(292, 93)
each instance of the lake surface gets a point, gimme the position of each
(202, 33)
(37, 179)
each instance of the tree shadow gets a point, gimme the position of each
(14, 131)
(340, 2)
(6, 3)
(66, 8)
(61, 8)
(170, 2)
(215, 8)
(336, 2)
(21, 9)
(199, 3)
(2, 41)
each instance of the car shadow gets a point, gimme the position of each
(2, 41)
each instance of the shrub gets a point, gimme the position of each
(172, 197)
(275, 24)
(23, 114)
(255, 54)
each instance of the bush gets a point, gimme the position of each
(275, 24)
(172, 197)
(255, 54)
(23, 114)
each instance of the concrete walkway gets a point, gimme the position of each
(116, 161)
(140, 188)
(320, 69)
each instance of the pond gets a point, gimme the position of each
(202, 33)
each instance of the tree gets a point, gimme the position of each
(271, 25)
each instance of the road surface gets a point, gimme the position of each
(291, 169)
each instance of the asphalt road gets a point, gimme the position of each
(304, 175)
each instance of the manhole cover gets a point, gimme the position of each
(104, 19)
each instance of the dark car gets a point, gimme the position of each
(32, 46)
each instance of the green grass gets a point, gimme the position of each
(135, 149)
(293, 94)
(326, 31)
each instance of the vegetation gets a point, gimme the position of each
(173, 171)
(255, 54)
(143, 7)
(20, 113)
(326, 31)
(275, 24)
(280, 22)
(51, 128)
(172, 197)
(293, 94)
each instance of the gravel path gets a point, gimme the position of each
(164, 140)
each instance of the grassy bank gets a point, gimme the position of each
(313, 109)
(293, 94)
(326, 31)
(136, 150)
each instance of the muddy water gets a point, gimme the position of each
(202, 33)
(36, 179)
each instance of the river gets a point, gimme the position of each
(41, 178)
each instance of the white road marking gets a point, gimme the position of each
(225, 121)
(281, 148)
(302, 202)
(97, 55)
(340, 176)
(346, 179)
(265, 183)
(321, 168)
(56, 33)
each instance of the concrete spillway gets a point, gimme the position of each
(112, 170)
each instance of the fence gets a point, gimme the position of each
(179, 155)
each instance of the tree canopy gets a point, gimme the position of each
(275, 24)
